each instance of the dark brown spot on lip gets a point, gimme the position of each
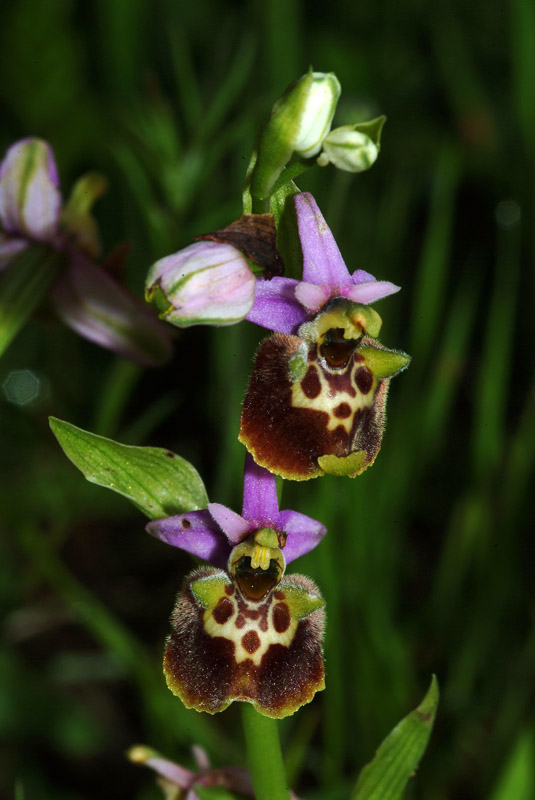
(223, 611)
(240, 621)
(251, 641)
(229, 589)
(281, 617)
(186, 523)
(169, 454)
(311, 384)
(343, 411)
(364, 379)
(278, 595)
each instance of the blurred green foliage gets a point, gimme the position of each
(428, 565)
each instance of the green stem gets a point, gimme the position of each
(264, 755)
(260, 205)
(292, 171)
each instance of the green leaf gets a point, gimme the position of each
(214, 793)
(156, 481)
(22, 287)
(386, 777)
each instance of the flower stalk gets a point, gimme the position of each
(264, 755)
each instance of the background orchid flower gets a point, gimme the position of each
(283, 304)
(172, 776)
(245, 632)
(84, 296)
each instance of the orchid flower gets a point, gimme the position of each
(245, 632)
(283, 304)
(179, 782)
(316, 398)
(83, 295)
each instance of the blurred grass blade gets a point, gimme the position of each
(386, 777)
(489, 432)
(22, 287)
(430, 286)
(518, 778)
(19, 791)
(229, 89)
(523, 65)
(155, 480)
(451, 363)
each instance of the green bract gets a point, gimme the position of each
(156, 481)
(386, 777)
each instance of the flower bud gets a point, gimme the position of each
(314, 104)
(299, 122)
(30, 201)
(207, 283)
(353, 148)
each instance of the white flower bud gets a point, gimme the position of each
(353, 148)
(316, 108)
(348, 150)
(299, 122)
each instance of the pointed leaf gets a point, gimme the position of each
(386, 777)
(22, 287)
(155, 480)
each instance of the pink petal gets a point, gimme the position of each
(260, 501)
(369, 292)
(361, 276)
(311, 296)
(304, 534)
(201, 758)
(275, 305)
(95, 306)
(322, 261)
(170, 771)
(233, 526)
(30, 202)
(196, 533)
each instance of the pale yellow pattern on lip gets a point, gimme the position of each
(327, 401)
(229, 630)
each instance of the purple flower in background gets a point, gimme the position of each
(283, 304)
(245, 631)
(213, 533)
(83, 295)
(172, 775)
